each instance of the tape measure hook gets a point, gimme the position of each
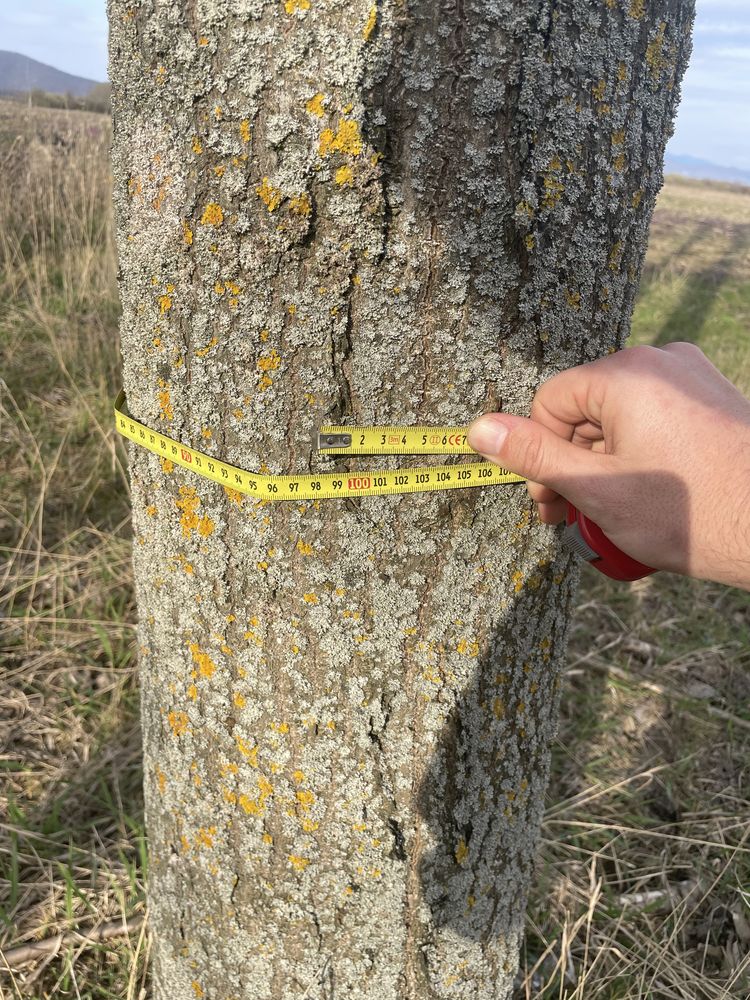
(334, 441)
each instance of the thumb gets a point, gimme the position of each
(530, 449)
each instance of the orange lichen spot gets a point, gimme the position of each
(315, 105)
(219, 170)
(213, 215)
(269, 195)
(466, 648)
(573, 299)
(371, 22)
(197, 988)
(250, 752)
(161, 780)
(203, 40)
(304, 548)
(294, 859)
(205, 526)
(245, 130)
(267, 838)
(197, 145)
(187, 234)
(167, 465)
(188, 504)
(179, 722)
(301, 205)
(462, 851)
(344, 176)
(151, 510)
(498, 708)
(238, 699)
(269, 362)
(234, 495)
(310, 598)
(305, 798)
(262, 565)
(517, 581)
(165, 405)
(165, 303)
(637, 9)
(203, 351)
(345, 140)
(206, 666)
(207, 433)
(206, 836)
(192, 692)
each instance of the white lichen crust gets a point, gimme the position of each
(368, 212)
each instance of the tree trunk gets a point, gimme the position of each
(392, 212)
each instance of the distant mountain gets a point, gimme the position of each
(19, 74)
(692, 166)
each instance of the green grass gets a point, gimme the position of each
(648, 789)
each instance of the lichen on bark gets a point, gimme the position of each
(382, 212)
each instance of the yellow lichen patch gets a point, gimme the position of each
(161, 779)
(517, 581)
(219, 170)
(205, 526)
(310, 598)
(305, 798)
(297, 862)
(238, 700)
(530, 242)
(466, 648)
(269, 195)
(637, 198)
(637, 9)
(620, 162)
(202, 40)
(290, 6)
(251, 753)
(151, 510)
(599, 89)
(203, 351)
(197, 988)
(245, 130)
(304, 548)
(206, 666)
(615, 255)
(269, 362)
(498, 708)
(234, 495)
(187, 234)
(188, 504)
(165, 405)
(301, 205)
(345, 140)
(197, 145)
(267, 838)
(655, 58)
(205, 836)
(192, 692)
(344, 176)
(298, 776)
(371, 22)
(167, 464)
(280, 727)
(573, 299)
(462, 851)
(213, 215)
(618, 138)
(315, 105)
(179, 722)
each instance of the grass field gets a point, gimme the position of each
(643, 886)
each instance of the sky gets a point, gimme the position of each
(713, 122)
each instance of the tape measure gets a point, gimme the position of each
(341, 441)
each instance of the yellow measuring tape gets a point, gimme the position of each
(335, 440)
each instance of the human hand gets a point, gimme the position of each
(652, 444)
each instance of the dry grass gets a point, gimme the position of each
(643, 888)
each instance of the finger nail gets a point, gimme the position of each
(487, 434)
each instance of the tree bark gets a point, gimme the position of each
(392, 212)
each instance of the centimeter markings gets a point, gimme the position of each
(331, 484)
